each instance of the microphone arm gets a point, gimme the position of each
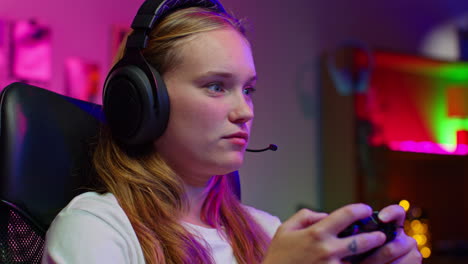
(271, 147)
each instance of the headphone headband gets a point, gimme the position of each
(135, 98)
(152, 11)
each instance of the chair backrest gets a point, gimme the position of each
(44, 162)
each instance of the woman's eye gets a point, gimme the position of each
(215, 88)
(249, 91)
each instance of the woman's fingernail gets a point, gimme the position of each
(382, 236)
(384, 216)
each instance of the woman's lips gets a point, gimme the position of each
(239, 138)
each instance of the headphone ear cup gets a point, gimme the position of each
(136, 104)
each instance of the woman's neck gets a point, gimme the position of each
(195, 196)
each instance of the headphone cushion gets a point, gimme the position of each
(130, 106)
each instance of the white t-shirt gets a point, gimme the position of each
(93, 228)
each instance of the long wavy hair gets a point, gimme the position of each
(152, 194)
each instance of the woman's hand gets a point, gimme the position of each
(403, 249)
(311, 237)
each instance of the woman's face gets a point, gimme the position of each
(211, 105)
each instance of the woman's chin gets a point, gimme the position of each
(229, 165)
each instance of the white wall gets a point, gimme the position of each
(288, 37)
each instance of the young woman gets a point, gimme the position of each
(169, 201)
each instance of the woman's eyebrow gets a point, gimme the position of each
(217, 73)
(226, 75)
(253, 79)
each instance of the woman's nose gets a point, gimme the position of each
(242, 111)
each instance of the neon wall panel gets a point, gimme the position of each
(416, 104)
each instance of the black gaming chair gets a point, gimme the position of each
(44, 163)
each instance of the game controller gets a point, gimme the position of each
(369, 224)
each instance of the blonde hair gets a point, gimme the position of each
(150, 192)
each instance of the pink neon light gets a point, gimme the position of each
(428, 147)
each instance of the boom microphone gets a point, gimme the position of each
(272, 147)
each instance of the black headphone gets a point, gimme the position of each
(135, 98)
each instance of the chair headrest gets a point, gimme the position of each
(44, 155)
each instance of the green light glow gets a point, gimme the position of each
(456, 72)
(445, 128)
(430, 80)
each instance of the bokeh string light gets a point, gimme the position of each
(417, 227)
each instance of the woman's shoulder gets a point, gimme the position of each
(95, 223)
(93, 202)
(93, 206)
(103, 206)
(269, 222)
